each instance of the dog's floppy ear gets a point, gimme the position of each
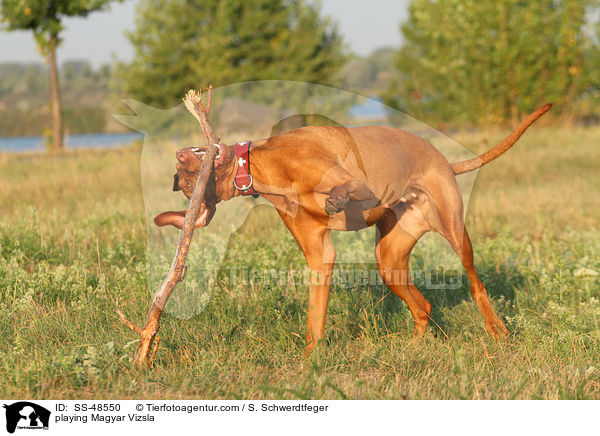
(176, 186)
(224, 157)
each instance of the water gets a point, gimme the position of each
(91, 140)
(372, 109)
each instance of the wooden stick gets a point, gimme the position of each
(193, 102)
(128, 323)
(145, 352)
(210, 91)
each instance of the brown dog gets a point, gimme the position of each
(332, 178)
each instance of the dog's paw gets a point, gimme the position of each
(337, 201)
(497, 329)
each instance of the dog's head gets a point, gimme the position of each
(189, 162)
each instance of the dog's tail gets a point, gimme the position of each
(493, 153)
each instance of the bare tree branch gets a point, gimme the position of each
(145, 351)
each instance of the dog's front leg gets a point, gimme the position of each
(320, 256)
(314, 239)
(341, 195)
(341, 188)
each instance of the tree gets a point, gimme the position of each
(44, 19)
(491, 60)
(183, 44)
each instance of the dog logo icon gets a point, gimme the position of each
(26, 415)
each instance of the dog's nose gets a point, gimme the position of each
(180, 155)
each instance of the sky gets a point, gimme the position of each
(99, 38)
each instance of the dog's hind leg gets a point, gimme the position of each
(452, 227)
(397, 233)
(459, 239)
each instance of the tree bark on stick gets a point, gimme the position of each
(57, 124)
(145, 352)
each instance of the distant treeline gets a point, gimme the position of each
(89, 95)
(32, 78)
(370, 75)
(24, 98)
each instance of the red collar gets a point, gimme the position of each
(243, 180)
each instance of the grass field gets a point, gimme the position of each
(72, 243)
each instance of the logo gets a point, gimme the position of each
(26, 415)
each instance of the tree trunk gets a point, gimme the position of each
(57, 124)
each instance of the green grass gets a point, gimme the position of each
(73, 244)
